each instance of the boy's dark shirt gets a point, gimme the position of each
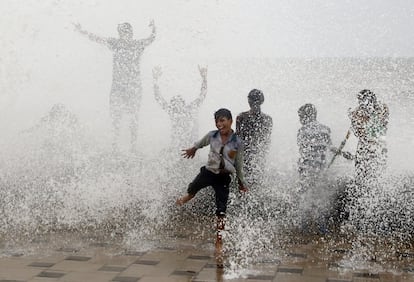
(254, 129)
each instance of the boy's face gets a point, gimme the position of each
(223, 124)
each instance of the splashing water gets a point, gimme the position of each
(65, 179)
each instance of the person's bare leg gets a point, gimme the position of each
(135, 104)
(219, 241)
(116, 117)
(181, 201)
(134, 132)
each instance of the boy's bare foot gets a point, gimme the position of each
(181, 201)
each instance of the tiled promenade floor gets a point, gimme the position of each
(178, 264)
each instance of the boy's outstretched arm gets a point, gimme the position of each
(203, 92)
(156, 73)
(147, 41)
(91, 36)
(190, 152)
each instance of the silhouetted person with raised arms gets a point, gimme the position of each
(184, 125)
(126, 90)
(369, 122)
(255, 129)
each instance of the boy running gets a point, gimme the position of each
(225, 158)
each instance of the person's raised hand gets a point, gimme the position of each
(203, 71)
(348, 155)
(156, 72)
(77, 26)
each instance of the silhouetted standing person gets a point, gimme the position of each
(255, 129)
(369, 123)
(314, 142)
(126, 90)
(182, 115)
(58, 140)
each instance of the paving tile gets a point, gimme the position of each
(147, 262)
(89, 276)
(113, 260)
(77, 258)
(210, 265)
(139, 270)
(125, 279)
(160, 254)
(366, 275)
(99, 244)
(192, 265)
(42, 264)
(164, 279)
(261, 277)
(44, 279)
(318, 272)
(289, 277)
(290, 269)
(184, 273)
(270, 261)
(256, 280)
(51, 274)
(362, 279)
(181, 278)
(18, 273)
(263, 271)
(112, 268)
(75, 266)
(207, 274)
(338, 280)
(6, 263)
(197, 257)
(68, 250)
(134, 253)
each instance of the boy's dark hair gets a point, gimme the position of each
(307, 112)
(222, 113)
(125, 28)
(256, 95)
(367, 95)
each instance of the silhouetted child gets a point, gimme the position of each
(184, 125)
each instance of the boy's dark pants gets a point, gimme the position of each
(219, 182)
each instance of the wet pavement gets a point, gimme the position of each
(186, 261)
